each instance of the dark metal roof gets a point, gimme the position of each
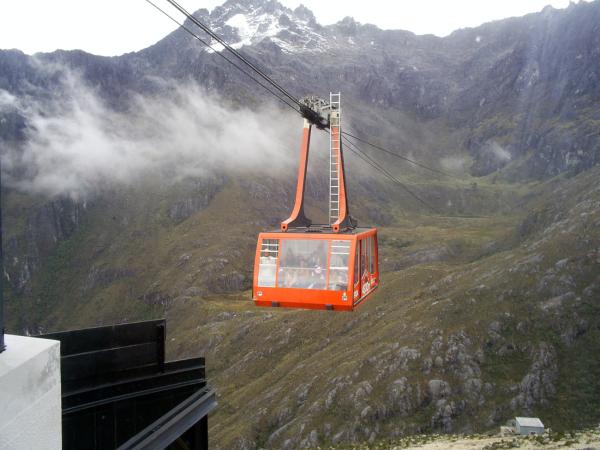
(118, 390)
(175, 423)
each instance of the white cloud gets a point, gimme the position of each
(454, 163)
(499, 152)
(76, 144)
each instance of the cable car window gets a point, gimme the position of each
(267, 268)
(338, 265)
(364, 263)
(356, 264)
(303, 264)
(371, 254)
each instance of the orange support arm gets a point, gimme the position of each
(298, 218)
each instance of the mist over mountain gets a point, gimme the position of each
(75, 145)
(506, 84)
(134, 187)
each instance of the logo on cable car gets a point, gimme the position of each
(344, 297)
(366, 287)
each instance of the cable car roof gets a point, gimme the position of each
(320, 229)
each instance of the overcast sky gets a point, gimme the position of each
(113, 27)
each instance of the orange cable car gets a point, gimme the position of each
(303, 265)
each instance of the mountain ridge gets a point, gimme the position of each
(425, 87)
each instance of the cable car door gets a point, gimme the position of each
(365, 282)
(357, 271)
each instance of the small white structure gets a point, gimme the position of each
(529, 425)
(30, 409)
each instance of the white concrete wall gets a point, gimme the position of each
(30, 408)
(529, 430)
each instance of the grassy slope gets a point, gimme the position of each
(263, 361)
(470, 296)
(276, 369)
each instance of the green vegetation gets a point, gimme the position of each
(473, 301)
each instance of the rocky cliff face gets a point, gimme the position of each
(44, 227)
(521, 90)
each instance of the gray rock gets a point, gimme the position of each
(561, 264)
(338, 437)
(427, 364)
(400, 395)
(556, 303)
(436, 345)
(302, 392)
(101, 276)
(473, 387)
(363, 390)
(443, 417)
(366, 412)
(331, 396)
(538, 385)
(438, 389)
(494, 327)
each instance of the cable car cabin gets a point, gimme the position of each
(334, 271)
(331, 266)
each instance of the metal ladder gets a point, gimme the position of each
(334, 156)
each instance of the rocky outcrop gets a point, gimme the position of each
(539, 385)
(197, 197)
(100, 276)
(45, 226)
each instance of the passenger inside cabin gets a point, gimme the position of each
(290, 278)
(304, 279)
(317, 278)
(338, 280)
(303, 264)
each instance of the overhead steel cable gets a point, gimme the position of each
(297, 105)
(241, 69)
(404, 158)
(362, 155)
(237, 54)
(366, 158)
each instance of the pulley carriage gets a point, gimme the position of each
(302, 265)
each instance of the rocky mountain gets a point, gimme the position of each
(134, 187)
(495, 83)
